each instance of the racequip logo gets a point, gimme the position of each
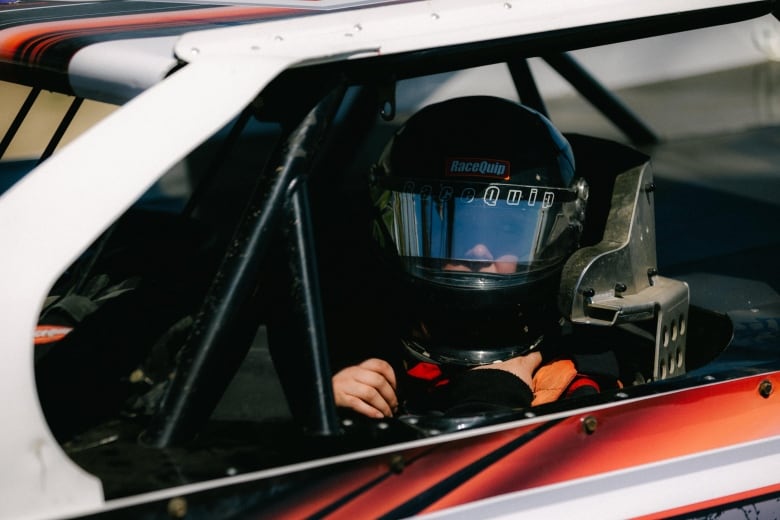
(493, 195)
(474, 167)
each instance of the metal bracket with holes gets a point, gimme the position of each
(616, 281)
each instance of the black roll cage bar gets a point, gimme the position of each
(207, 358)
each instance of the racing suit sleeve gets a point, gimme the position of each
(473, 391)
(488, 389)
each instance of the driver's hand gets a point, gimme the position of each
(367, 388)
(521, 366)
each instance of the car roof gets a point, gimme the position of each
(72, 47)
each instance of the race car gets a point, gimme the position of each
(179, 280)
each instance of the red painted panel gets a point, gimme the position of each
(642, 432)
(29, 42)
(633, 433)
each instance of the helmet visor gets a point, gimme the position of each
(472, 233)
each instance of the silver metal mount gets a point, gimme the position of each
(616, 281)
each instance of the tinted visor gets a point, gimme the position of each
(476, 233)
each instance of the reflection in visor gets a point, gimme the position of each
(461, 226)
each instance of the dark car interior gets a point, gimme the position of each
(206, 322)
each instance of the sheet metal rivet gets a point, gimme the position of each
(507, 5)
(194, 51)
(357, 27)
(620, 287)
(589, 293)
(434, 16)
(137, 375)
(177, 507)
(765, 388)
(397, 464)
(650, 187)
(589, 424)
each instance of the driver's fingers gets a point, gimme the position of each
(365, 399)
(381, 367)
(365, 391)
(370, 408)
(381, 385)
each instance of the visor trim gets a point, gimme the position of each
(490, 192)
(468, 357)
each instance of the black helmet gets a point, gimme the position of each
(478, 208)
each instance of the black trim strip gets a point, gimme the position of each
(336, 504)
(444, 487)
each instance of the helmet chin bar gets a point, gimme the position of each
(468, 357)
(616, 280)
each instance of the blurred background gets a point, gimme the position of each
(43, 119)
